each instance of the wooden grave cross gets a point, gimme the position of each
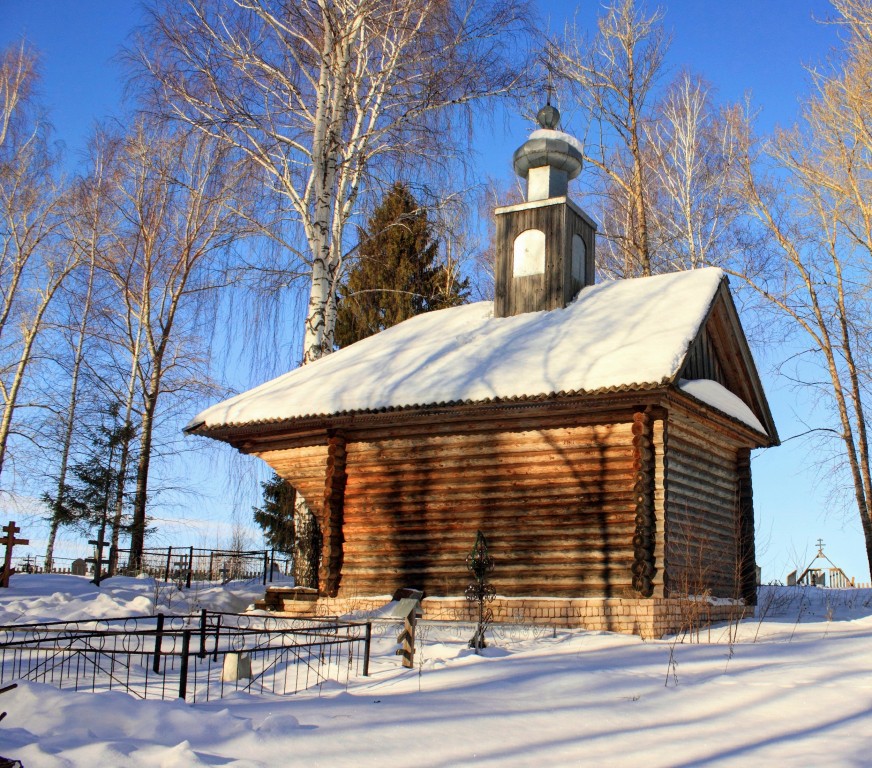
(408, 608)
(10, 541)
(98, 559)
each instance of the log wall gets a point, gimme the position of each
(556, 506)
(632, 506)
(703, 530)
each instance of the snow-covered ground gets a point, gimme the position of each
(794, 689)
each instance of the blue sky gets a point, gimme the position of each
(756, 47)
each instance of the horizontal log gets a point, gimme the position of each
(310, 454)
(434, 528)
(492, 487)
(723, 490)
(681, 449)
(382, 531)
(365, 465)
(502, 581)
(698, 466)
(448, 511)
(513, 511)
(493, 435)
(505, 524)
(503, 566)
(504, 544)
(478, 422)
(431, 588)
(689, 539)
(680, 494)
(521, 478)
(687, 434)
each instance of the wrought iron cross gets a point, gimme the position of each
(481, 590)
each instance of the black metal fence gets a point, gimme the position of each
(199, 657)
(184, 565)
(34, 564)
(187, 565)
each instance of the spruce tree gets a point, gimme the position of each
(397, 274)
(276, 516)
(98, 480)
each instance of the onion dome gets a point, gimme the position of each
(549, 159)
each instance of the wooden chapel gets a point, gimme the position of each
(599, 435)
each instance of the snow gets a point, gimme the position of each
(615, 335)
(547, 133)
(794, 688)
(717, 396)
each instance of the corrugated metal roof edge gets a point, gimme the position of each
(202, 429)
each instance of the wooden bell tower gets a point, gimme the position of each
(545, 247)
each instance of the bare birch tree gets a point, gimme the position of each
(177, 199)
(613, 77)
(87, 228)
(810, 190)
(659, 156)
(33, 264)
(319, 93)
(693, 206)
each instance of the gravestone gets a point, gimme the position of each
(79, 567)
(237, 666)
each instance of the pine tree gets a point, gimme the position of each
(276, 516)
(398, 273)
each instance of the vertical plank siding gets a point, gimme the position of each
(702, 360)
(559, 220)
(658, 469)
(702, 498)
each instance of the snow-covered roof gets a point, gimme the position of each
(719, 397)
(615, 336)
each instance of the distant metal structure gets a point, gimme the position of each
(480, 591)
(817, 576)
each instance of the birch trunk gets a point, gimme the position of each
(72, 407)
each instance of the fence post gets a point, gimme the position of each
(217, 635)
(366, 643)
(265, 565)
(169, 558)
(158, 639)
(190, 567)
(272, 564)
(211, 565)
(203, 633)
(183, 668)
